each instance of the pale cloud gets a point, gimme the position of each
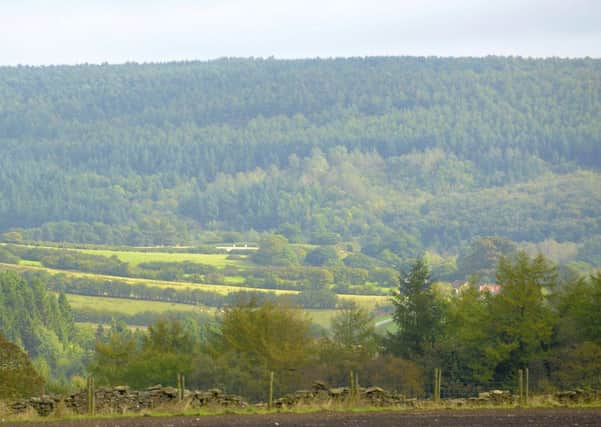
(48, 32)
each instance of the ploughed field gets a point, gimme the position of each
(487, 418)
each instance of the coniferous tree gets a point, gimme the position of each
(418, 313)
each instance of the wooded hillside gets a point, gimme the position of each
(398, 154)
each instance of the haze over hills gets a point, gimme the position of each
(397, 154)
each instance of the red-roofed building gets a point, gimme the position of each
(490, 287)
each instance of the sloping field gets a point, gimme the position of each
(135, 258)
(366, 301)
(222, 289)
(130, 306)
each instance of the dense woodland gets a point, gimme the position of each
(398, 154)
(42, 324)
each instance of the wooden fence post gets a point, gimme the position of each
(181, 385)
(270, 402)
(527, 385)
(88, 400)
(521, 385)
(436, 391)
(91, 396)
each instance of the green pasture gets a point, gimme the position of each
(30, 263)
(221, 289)
(94, 326)
(385, 324)
(366, 301)
(234, 280)
(135, 258)
(322, 317)
(130, 306)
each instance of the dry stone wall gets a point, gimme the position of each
(320, 393)
(121, 399)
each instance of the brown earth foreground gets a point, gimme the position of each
(486, 418)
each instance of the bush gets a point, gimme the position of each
(324, 256)
(18, 378)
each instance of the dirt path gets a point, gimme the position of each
(485, 418)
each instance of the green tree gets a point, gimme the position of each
(322, 256)
(167, 350)
(482, 257)
(468, 353)
(590, 251)
(114, 352)
(12, 237)
(141, 360)
(521, 319)
(252, 340)
(275, 250)
(418, 313)
(352, 340)
(18, 378)
(578, 305)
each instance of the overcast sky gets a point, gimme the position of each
(115, 31)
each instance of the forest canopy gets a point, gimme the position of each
(399, 154)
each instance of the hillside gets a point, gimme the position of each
(392, 155)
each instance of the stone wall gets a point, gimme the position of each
(121, 399)
(320, 393)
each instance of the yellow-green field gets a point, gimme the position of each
(135, 258)
(129, 306)
(93, 326)
(221, 289)
(366, 301)
(322, 317)
(31, 263)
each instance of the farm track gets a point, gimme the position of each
(452, 418)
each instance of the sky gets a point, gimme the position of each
(43, 32)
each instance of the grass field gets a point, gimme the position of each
(221, 289)
(129, 306)
(385, 324)
(30, 263)
(322, 317)
(135, 258)
(93, 326)
(366, 301)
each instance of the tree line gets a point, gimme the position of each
(539, 320)
(479, 340)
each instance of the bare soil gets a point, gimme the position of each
(486, 418)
